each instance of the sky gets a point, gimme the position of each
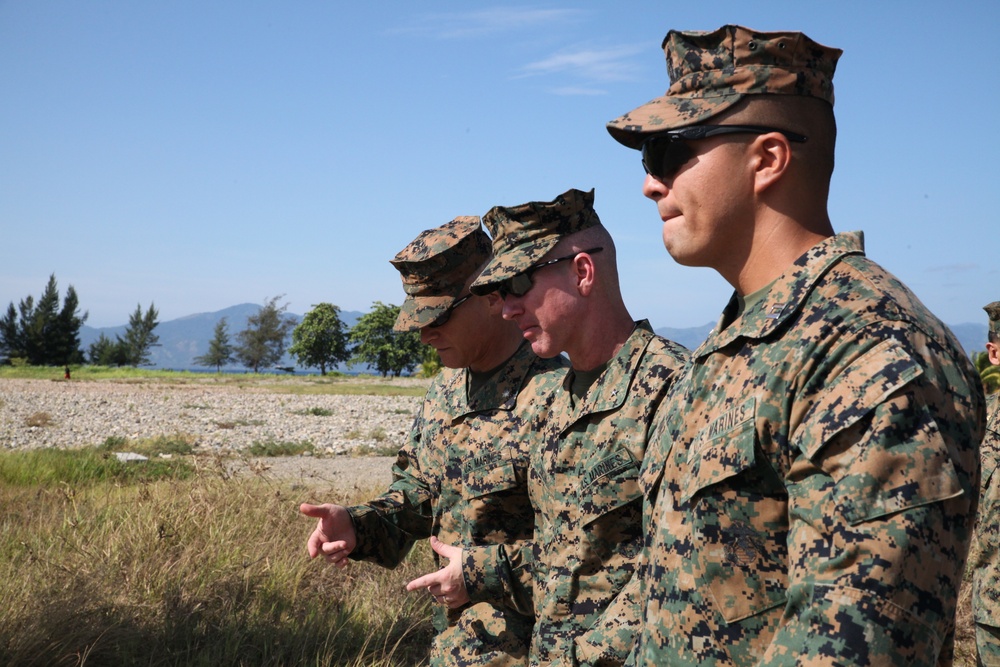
(199, 154)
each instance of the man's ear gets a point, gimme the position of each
(772, 155)
(585, 272)
(993, 350)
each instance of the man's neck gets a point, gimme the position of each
(773, 250)
(599, 343)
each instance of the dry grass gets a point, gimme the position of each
(209, 570)
(38, 420)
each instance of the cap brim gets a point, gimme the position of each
(419, 311)
(666, 113)
(510, 263)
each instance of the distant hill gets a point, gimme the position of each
(185, 338)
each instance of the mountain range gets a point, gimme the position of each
(183, 339)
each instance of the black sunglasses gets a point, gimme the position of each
(520, 284)
(445, 315)
(666, 152)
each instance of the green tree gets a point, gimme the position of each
(220, 351)
(988, 373)
(139, 336)
(262, 343)
(320, 340)
(41, 333)
(430, 365)
(107, 352)
(378, 345)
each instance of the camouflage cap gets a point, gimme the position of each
(523, 234)
(993, 311)
(711, 71)
(435, 267)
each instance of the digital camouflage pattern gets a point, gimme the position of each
(711, 71)
(435, 266)
(523, 234)
(993, 312)
(463, 478)
(811, 501)
(986, 562)
(588, 526)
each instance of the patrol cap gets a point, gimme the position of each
(435, 267)
(993, 310)
(523, 234)
(711, 71)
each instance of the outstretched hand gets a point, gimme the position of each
(447, 585)
(334, 537)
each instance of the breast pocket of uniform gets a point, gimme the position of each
(610, 503)
(497, 508)
(738, 511)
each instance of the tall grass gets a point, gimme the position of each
(186, 567)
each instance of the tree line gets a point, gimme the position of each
(40, 333)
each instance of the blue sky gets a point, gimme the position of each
(203, 154)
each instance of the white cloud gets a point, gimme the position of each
(587, 64)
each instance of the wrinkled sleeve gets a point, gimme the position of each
(387, 527)
(501, 574)
(610, 639)
(881, 503)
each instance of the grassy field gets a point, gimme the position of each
(333, 383)
(181, 564)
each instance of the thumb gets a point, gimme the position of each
(444, 550)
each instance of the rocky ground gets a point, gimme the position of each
(355, 439)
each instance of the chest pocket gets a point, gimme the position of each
(495, 507)
(738, 509)
(496, 476)
(610, 503)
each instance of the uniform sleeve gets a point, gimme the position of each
(387, 527)
(501, 574)
(881, 502)
(610, 639)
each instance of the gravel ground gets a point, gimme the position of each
(214, 418)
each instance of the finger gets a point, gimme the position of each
(336, 545)
(315, 511)
(339, 560)
(315, 544)
(422, 582)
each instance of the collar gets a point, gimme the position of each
(608, 391)
(786, 294)
(498, 394)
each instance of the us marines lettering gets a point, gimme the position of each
(606, 467)
(730, 420)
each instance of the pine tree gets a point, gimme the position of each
(220, 351)
(262, 343)
(139, 336)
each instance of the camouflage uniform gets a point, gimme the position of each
(811, 498)
(462, 476)
(986, 566)
(584, 466)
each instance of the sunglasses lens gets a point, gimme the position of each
(663, 156)
(516, 286)
(441, 319)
